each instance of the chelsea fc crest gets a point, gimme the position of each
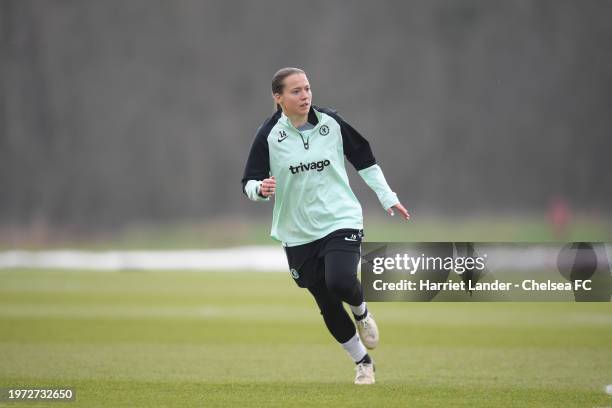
(294, 273)
(324, 130)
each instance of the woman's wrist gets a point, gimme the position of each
(258, 189)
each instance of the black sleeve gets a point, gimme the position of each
(258, 163)
(356, 148)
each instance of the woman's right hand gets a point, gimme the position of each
(268, 187)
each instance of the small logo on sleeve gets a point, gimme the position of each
(294, 273)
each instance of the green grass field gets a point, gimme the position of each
(227, 232)
(254, 339)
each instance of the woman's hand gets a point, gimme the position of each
(400, 208)
(268, 187)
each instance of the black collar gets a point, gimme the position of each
(312, 116)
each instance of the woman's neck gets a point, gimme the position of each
(298, 121)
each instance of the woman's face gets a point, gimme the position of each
(296, 97)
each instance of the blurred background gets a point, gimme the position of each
(128, 123)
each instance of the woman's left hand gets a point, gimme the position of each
(400, 208)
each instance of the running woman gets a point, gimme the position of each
(298, 157)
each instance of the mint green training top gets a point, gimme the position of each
(313, 197)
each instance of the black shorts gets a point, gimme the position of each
(307, 262)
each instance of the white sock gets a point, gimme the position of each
(355, 348)
(358, 310)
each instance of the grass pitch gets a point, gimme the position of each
(254, 339)
(224, 232)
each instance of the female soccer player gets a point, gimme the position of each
(298, 157)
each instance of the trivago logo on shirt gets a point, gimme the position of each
(318, 166)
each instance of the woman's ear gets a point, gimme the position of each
(277, 98)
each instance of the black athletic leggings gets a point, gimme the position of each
(340, 285)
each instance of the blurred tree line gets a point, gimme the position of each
(120, 111)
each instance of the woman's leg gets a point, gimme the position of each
(341, 280)
(341, 276)
(336, 319)
(338, 322)
(342, 328)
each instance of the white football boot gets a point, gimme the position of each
(365, 373)
(368, 331)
